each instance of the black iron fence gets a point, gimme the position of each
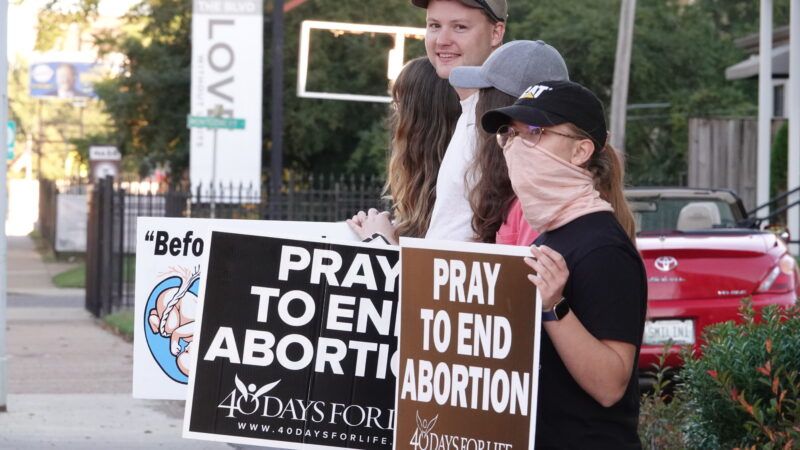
(115, 206)
(48, 210)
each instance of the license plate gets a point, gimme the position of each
(657, 332)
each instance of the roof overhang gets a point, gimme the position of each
(749, 67)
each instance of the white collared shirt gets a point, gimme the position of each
(452, 214)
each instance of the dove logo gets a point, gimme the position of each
(425, 439)
(421, 439)
(245, 400)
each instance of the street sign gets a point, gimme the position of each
(104, 161)
(12, 137)
(104, 153)
(215, 122)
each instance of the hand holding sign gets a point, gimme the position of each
(551, 274)
(365, 225)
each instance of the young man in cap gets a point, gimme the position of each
(462, 32)
(459, 32)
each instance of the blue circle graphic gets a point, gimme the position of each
(159, 345)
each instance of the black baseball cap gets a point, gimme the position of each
(553, 103)
(497, 9)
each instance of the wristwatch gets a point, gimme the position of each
(377, 236)
(559, 310)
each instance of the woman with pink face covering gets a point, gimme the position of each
(587, 270)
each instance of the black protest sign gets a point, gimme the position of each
(297, 344)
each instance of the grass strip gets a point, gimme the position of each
(121, 323)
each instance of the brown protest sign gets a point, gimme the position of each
(469, 342)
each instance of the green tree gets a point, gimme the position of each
(679, 56)
(55, 127)
(56, 17)
(678, 59)
(149, 102)
(340, 136)
(735, 18)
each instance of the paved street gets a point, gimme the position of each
(69, 378)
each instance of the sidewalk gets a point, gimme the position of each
(29, 275)
(69, 380)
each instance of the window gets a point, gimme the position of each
(777, 105)
(659, 215)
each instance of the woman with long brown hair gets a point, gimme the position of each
(491, 196)
(425, 115)
(497, 216)
(588, 273)
(425, 112)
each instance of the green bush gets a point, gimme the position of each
(743, 391)
(662, 414)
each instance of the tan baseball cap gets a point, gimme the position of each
(498, 9)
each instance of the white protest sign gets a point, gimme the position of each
(169, 270)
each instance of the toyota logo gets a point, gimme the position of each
(666, 263)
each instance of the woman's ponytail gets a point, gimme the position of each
(609, 174)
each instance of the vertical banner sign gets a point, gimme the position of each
(297, 344)
(227, 64)
(469, 346)
(170, 266)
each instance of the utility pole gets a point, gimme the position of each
(276, 150)
(40, 140)
(793, 215)
(218, 112)
(765, 105)
(3, 198)
(622, 68)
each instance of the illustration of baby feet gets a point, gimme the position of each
(175, 346)
(185, 359)
(154, 320)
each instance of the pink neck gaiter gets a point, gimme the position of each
(552, 192)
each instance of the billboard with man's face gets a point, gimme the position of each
(61, 79)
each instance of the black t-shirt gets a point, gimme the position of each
(607, 292)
